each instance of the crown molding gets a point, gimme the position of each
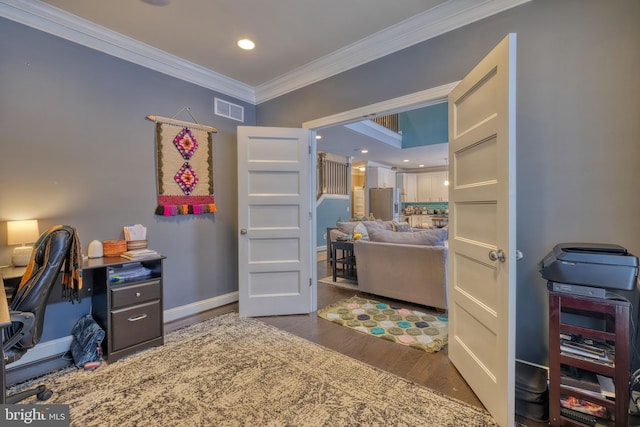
(49, 19)
(447, 16)
(436, 21)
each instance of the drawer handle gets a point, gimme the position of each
(136, 318)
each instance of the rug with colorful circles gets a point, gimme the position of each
(413, 328)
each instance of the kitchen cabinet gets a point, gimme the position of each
(409, 187)
(431, 187)
(424, 187)
(382, 178)
(439, 191)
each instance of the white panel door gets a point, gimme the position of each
(275, 268)
(482, 225)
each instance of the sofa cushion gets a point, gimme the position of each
(403, 227)
(424, 237)
(348, 227)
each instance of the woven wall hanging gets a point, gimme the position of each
(184, 153)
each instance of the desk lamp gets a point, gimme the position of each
(21, 233)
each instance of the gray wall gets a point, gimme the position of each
(77, 149)
(578, 127)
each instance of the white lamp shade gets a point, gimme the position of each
(21, 232)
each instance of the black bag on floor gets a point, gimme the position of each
(532, 392)
(87, 340)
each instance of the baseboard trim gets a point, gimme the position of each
(27, 371)
(199, 307)
(43, 350)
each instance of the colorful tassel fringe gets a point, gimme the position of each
(185, 205)
(173, 210)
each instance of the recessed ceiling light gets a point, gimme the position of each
(406, 160)
(246, 44)
(364, 151)
(362, 168)
(421, 166)
(318, 136)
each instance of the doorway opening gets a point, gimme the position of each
(418, 100)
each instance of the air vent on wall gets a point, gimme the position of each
(227, 109)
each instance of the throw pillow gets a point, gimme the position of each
(403, 227)
(347, 227)
(360, 228)
(425, 237)
(377, 225)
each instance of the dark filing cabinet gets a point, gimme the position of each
(127, 304)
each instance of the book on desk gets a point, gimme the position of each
(139, 254)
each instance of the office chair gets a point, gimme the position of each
(28, 305)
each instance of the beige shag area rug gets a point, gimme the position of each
(231, 371)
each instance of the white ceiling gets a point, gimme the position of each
(298, 42)
(288, 33)
(346, 142)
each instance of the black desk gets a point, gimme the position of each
(5, 321)
(130, 312)
(11, 276)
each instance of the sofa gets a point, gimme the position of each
(406, 265)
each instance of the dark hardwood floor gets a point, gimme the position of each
(432, 370)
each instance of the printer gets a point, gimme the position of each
(589, 268)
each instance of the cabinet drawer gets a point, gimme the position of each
(135, 325)
(126, 295)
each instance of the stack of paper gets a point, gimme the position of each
(139, 254)
(128, 272)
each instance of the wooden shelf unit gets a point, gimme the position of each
(615, 315)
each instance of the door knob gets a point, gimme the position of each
(519, 255)
(243, 231)
(497, 255)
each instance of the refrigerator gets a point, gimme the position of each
(384, 203)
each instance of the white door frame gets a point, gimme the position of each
(412, 101)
